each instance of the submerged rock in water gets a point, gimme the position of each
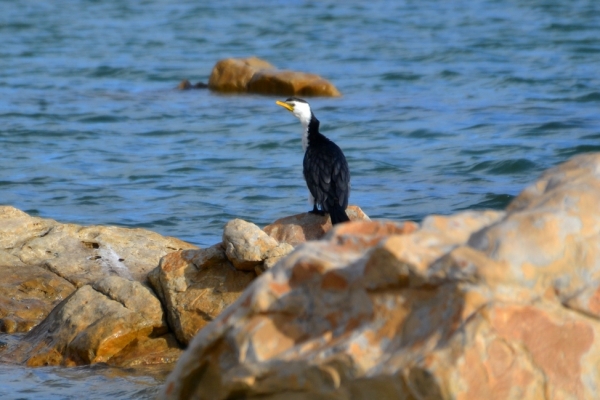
(477, 305)
(253, 75)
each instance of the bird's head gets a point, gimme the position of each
(298, 107)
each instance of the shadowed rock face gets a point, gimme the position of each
(94, 324)
(477, 305)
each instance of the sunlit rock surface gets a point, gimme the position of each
(195, 286)
(94, 280)
(477, 305)
(299, 228)
(43, 261)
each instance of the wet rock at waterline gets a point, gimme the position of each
(477, 305)
(97, 323)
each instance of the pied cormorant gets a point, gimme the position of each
(325, 166)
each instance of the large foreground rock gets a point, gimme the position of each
(479, 305)
(253, 75)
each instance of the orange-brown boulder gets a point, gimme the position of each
(477, 305)
(196, 286)
(233, 74)
(253, 75)
(97, 323)
(291, 83)
(27, 295)
(299, 228)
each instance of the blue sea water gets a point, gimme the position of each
(446, 106)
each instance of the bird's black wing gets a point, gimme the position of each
(326, 174)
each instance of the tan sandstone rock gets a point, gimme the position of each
(246, 245)
(94, 324)
(254, 75)
(478, 305)
(27, 295)
(80, 254)
(195, 286)
(299, 228)
(43, 261)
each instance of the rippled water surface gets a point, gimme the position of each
(446, 106)
(95, 382)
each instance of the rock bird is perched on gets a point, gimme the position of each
(325, 166)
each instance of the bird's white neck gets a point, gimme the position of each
(304, 114)
(304, 134)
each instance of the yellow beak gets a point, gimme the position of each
(285, 105)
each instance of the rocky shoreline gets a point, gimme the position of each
(122, 296)
(480, 304)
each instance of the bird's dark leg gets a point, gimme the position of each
(315, 210)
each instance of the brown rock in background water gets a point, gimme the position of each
(478, 305)
(290, 83)
(233, 74)
(253, 75)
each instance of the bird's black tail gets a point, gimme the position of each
(338, 214)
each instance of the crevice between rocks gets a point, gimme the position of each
(48, 267)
